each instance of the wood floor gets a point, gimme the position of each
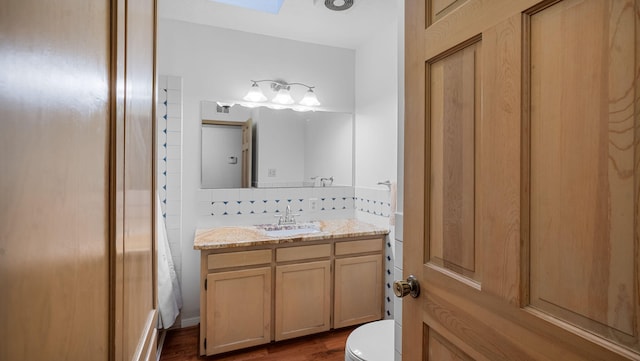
(182, 345)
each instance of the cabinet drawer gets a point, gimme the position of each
(363, 246)
(238, 259)
(303, 252)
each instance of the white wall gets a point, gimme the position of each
(376, 130)
(217, 64)
(377, 107)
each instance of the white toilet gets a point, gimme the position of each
(371, 342)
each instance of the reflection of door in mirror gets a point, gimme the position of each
(226, 154)
(247, 130)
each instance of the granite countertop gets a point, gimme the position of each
(231, 237)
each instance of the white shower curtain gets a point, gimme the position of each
(169, 295)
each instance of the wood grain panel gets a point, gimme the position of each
(466, 21)
(440, 8)
(584, 165)
(454, 104)
(358, 290)
(499, 191)
(416, 183)
(238, 308)
(139, 246)
(302, 299)
(238, 259)
(303, 252)
(442, 350)
(54, 141)
(363, 246)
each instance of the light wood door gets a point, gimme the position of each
(358, 290)
(76, 244)
(303, 299)
(54, 183)
(522, 180)
(238, 309)
(247, 146)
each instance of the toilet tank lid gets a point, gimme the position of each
(373, 341)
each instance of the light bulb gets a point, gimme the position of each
(255, 94)
(283, 97)
(310, 99)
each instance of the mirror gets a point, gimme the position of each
(269, 148)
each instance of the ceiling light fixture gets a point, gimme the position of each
(283, 96)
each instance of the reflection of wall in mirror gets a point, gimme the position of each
(298, 149)
(280, 148)
(329, 150)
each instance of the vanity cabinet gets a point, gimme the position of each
(302, 291)
(358, 280)
(256, 294)
(236, 301)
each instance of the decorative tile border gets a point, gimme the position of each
(230, 207)
(169, 160)
(388, 277)
(373, 206)
(162, 147)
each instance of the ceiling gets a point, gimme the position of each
(303, 20)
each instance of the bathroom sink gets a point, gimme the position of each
(288, 230)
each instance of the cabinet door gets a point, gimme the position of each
(238, 309)
(358, 290)
(303, 299)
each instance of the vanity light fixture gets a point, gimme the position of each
(283, 96)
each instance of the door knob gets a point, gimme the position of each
(408, 287)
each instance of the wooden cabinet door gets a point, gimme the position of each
(358, 290)
(238, 309)
(522, 180)
(303, 299)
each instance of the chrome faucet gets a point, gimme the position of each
(287, 218)
(325, 181)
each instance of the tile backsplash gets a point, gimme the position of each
(255, 203)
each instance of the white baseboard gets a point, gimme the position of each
(188, 322)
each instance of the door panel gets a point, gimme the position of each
(454, 103)
(583, 174)
(440, 8)
(303, 299)
(54, 183)
(522, 204)
(442, 350)
(238, 309)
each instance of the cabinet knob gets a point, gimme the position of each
(408, 287)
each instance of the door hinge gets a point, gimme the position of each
(205, 284)
(205, 343)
